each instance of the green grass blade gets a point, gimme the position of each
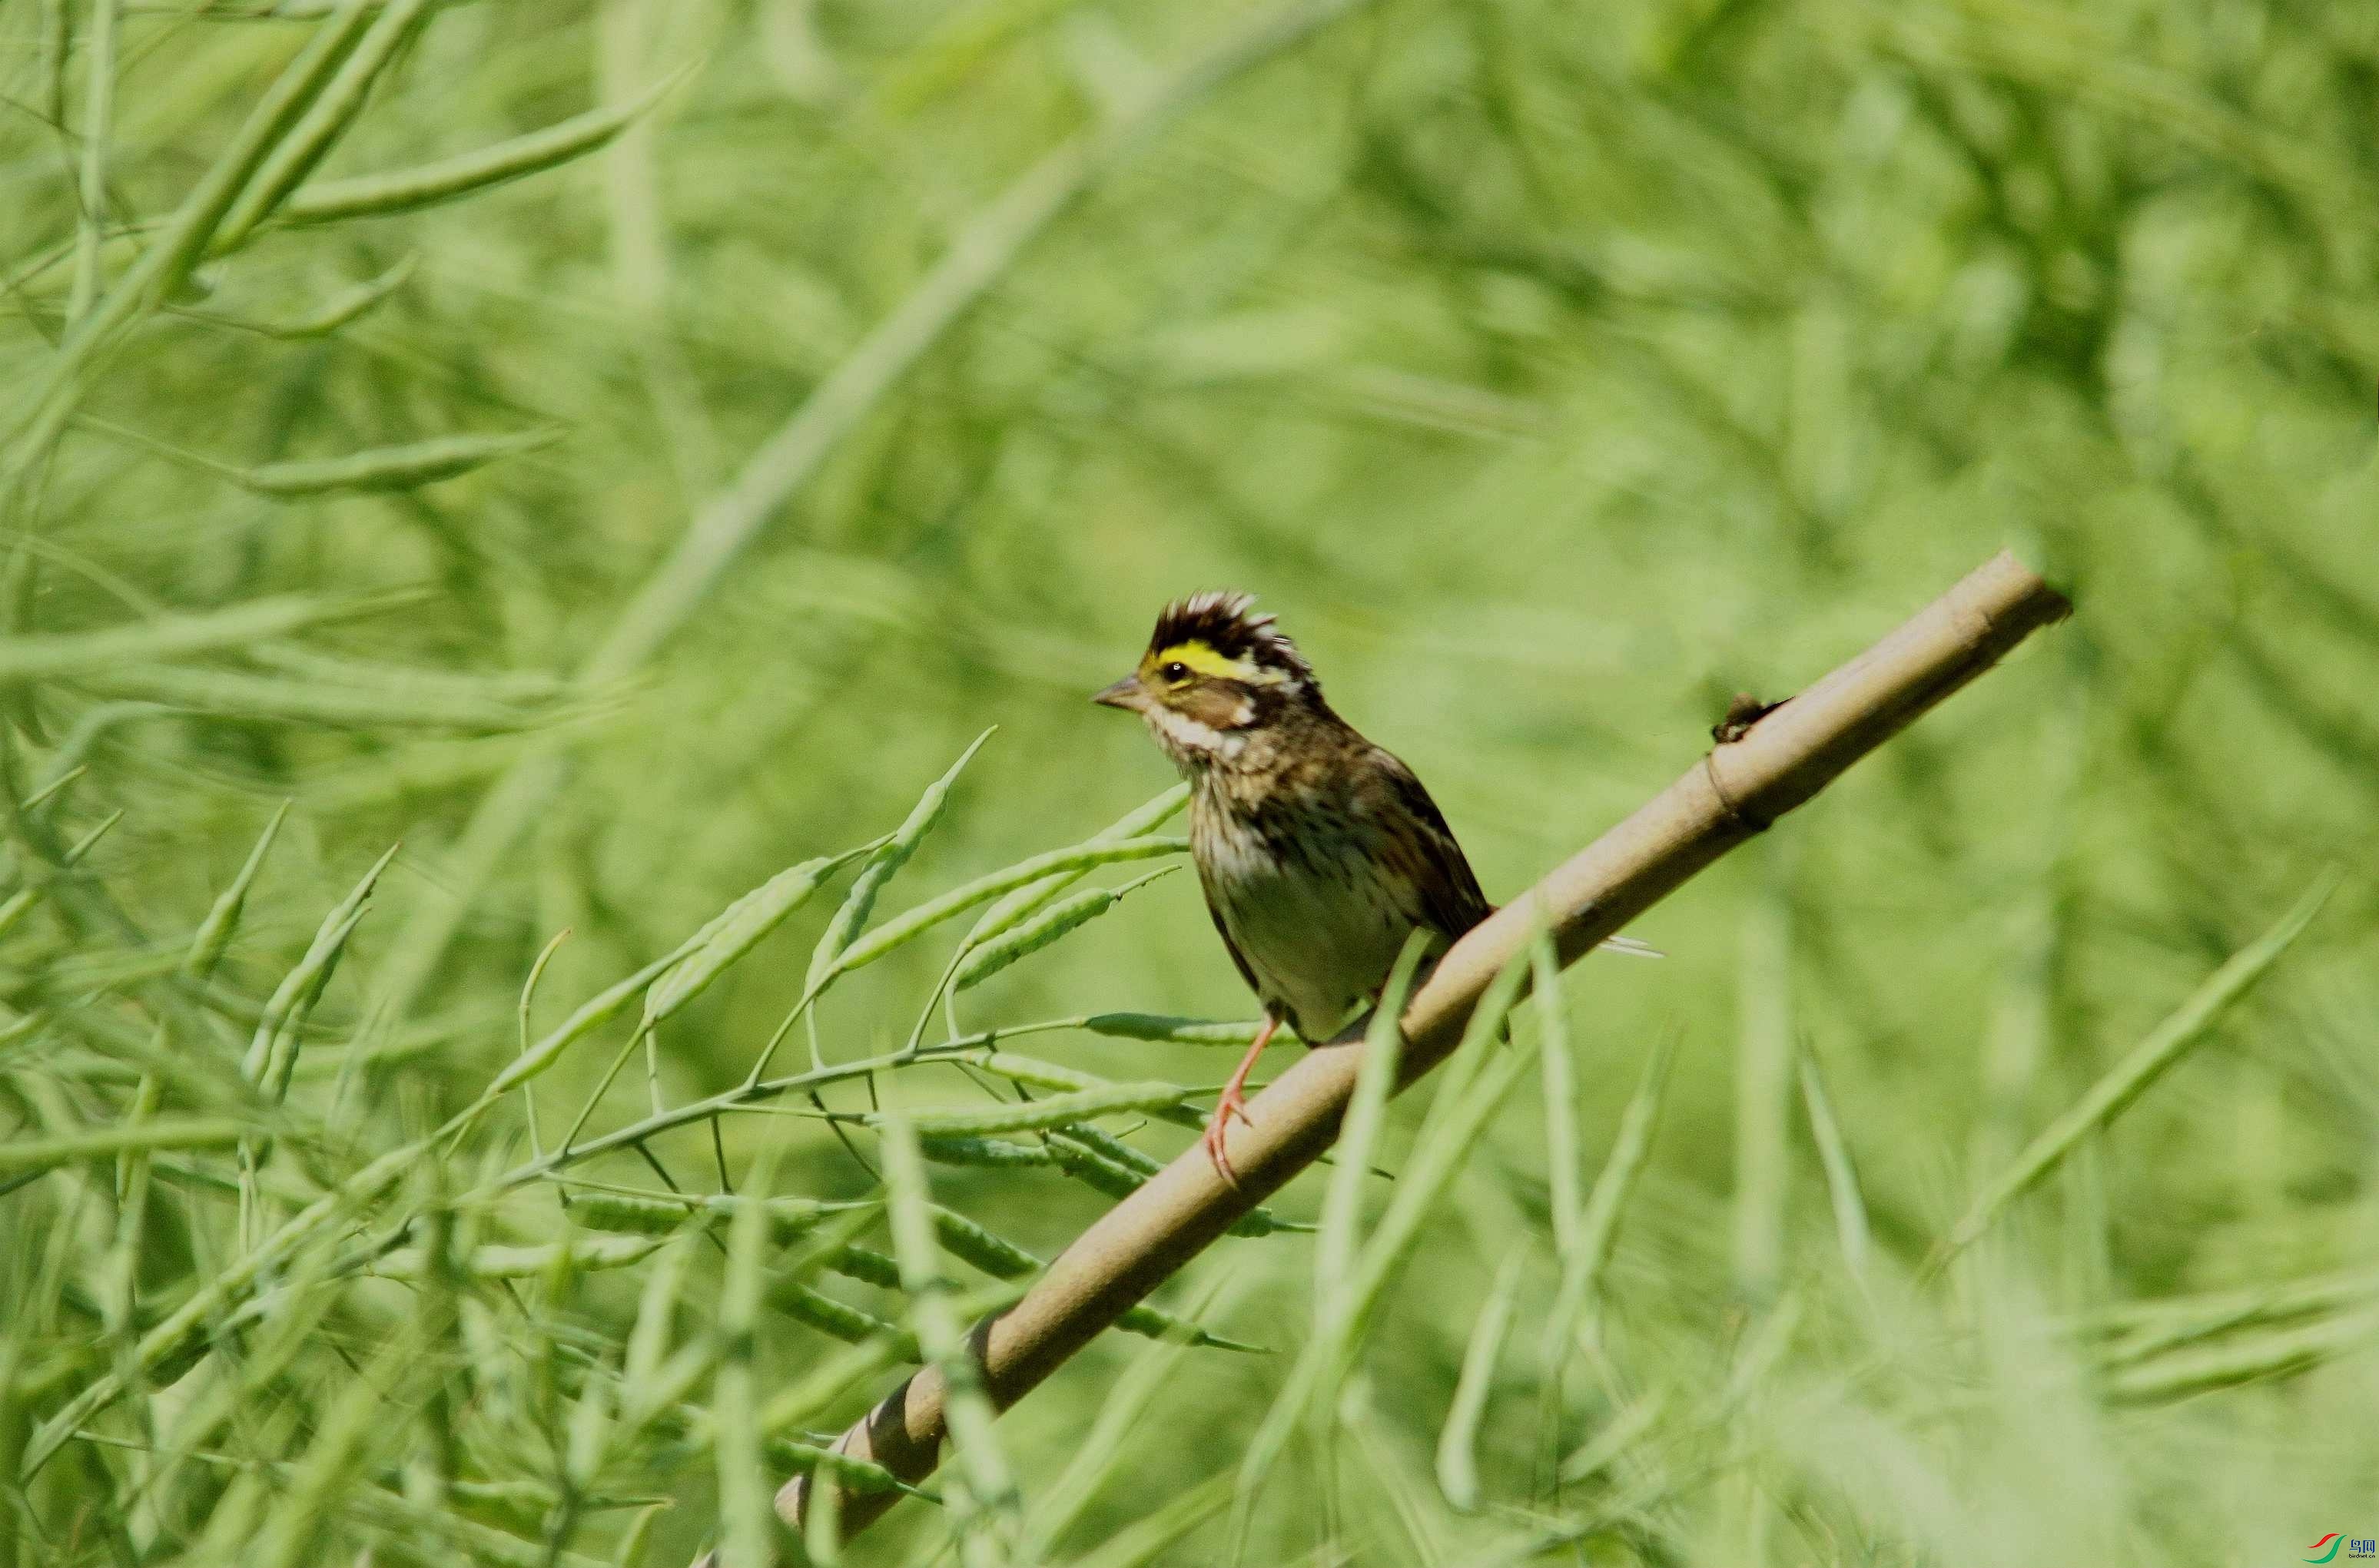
(1455, 1127)
(1457, 1443)
(1466, 1103)
(1102, 1452)
(2132, 1076)
(828, 960)
(1841, 1174)
(1631, 1147)
(657, 1304)
(1623, 1432)
(98, 133)
(747, 1523)
(985, 1507)
(52, 656)
(2243, 1358)
(1563, 1168)
(19, 903)
(522, 1015)
(1629, 1150)
(2136, 1329)
(343, 1450)
(21, 1154)
(1763, 1078)
(1155, 1533)
(1339, 1238)
(832, 1378)
(221, 1295)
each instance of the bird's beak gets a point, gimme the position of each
(1127, 693)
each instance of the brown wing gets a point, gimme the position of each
(1448, 888)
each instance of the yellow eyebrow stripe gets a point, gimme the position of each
(1203, 659)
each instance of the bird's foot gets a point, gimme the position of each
(1232, 1103)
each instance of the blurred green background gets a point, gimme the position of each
(1553, 373)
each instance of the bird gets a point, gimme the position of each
(1319, 852)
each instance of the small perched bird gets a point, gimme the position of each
(1320, 853)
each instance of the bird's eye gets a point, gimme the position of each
(1175, 672)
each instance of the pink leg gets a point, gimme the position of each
(1233, 1103)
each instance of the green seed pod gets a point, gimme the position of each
(1178, 1031)
(1030, 1115)
(24, 898)
(1116, 1168)
(1002, 1258)
(214, 932)
(789, 1218)
(1050, 925)
(829, 1316)
(1115, 1149)
(345, 306)
(995, 1255)
(1036, 1072)
(833, 954)
(853, 1475)
(1093, 1170)
(1155, 1322)
(528, 1262)
(272, 1052)
(592, 1014)
(1022, 905)
(994, 1152)
(735, 931)
(387, 468)
(405, 190)
(324, 122)
(910, 924)
(867, 1265)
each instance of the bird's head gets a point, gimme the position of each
(1214, 675)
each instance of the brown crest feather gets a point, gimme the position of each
(1226, 621)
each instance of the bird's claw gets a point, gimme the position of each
(1232, 1103)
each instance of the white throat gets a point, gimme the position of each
(1193, 739)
